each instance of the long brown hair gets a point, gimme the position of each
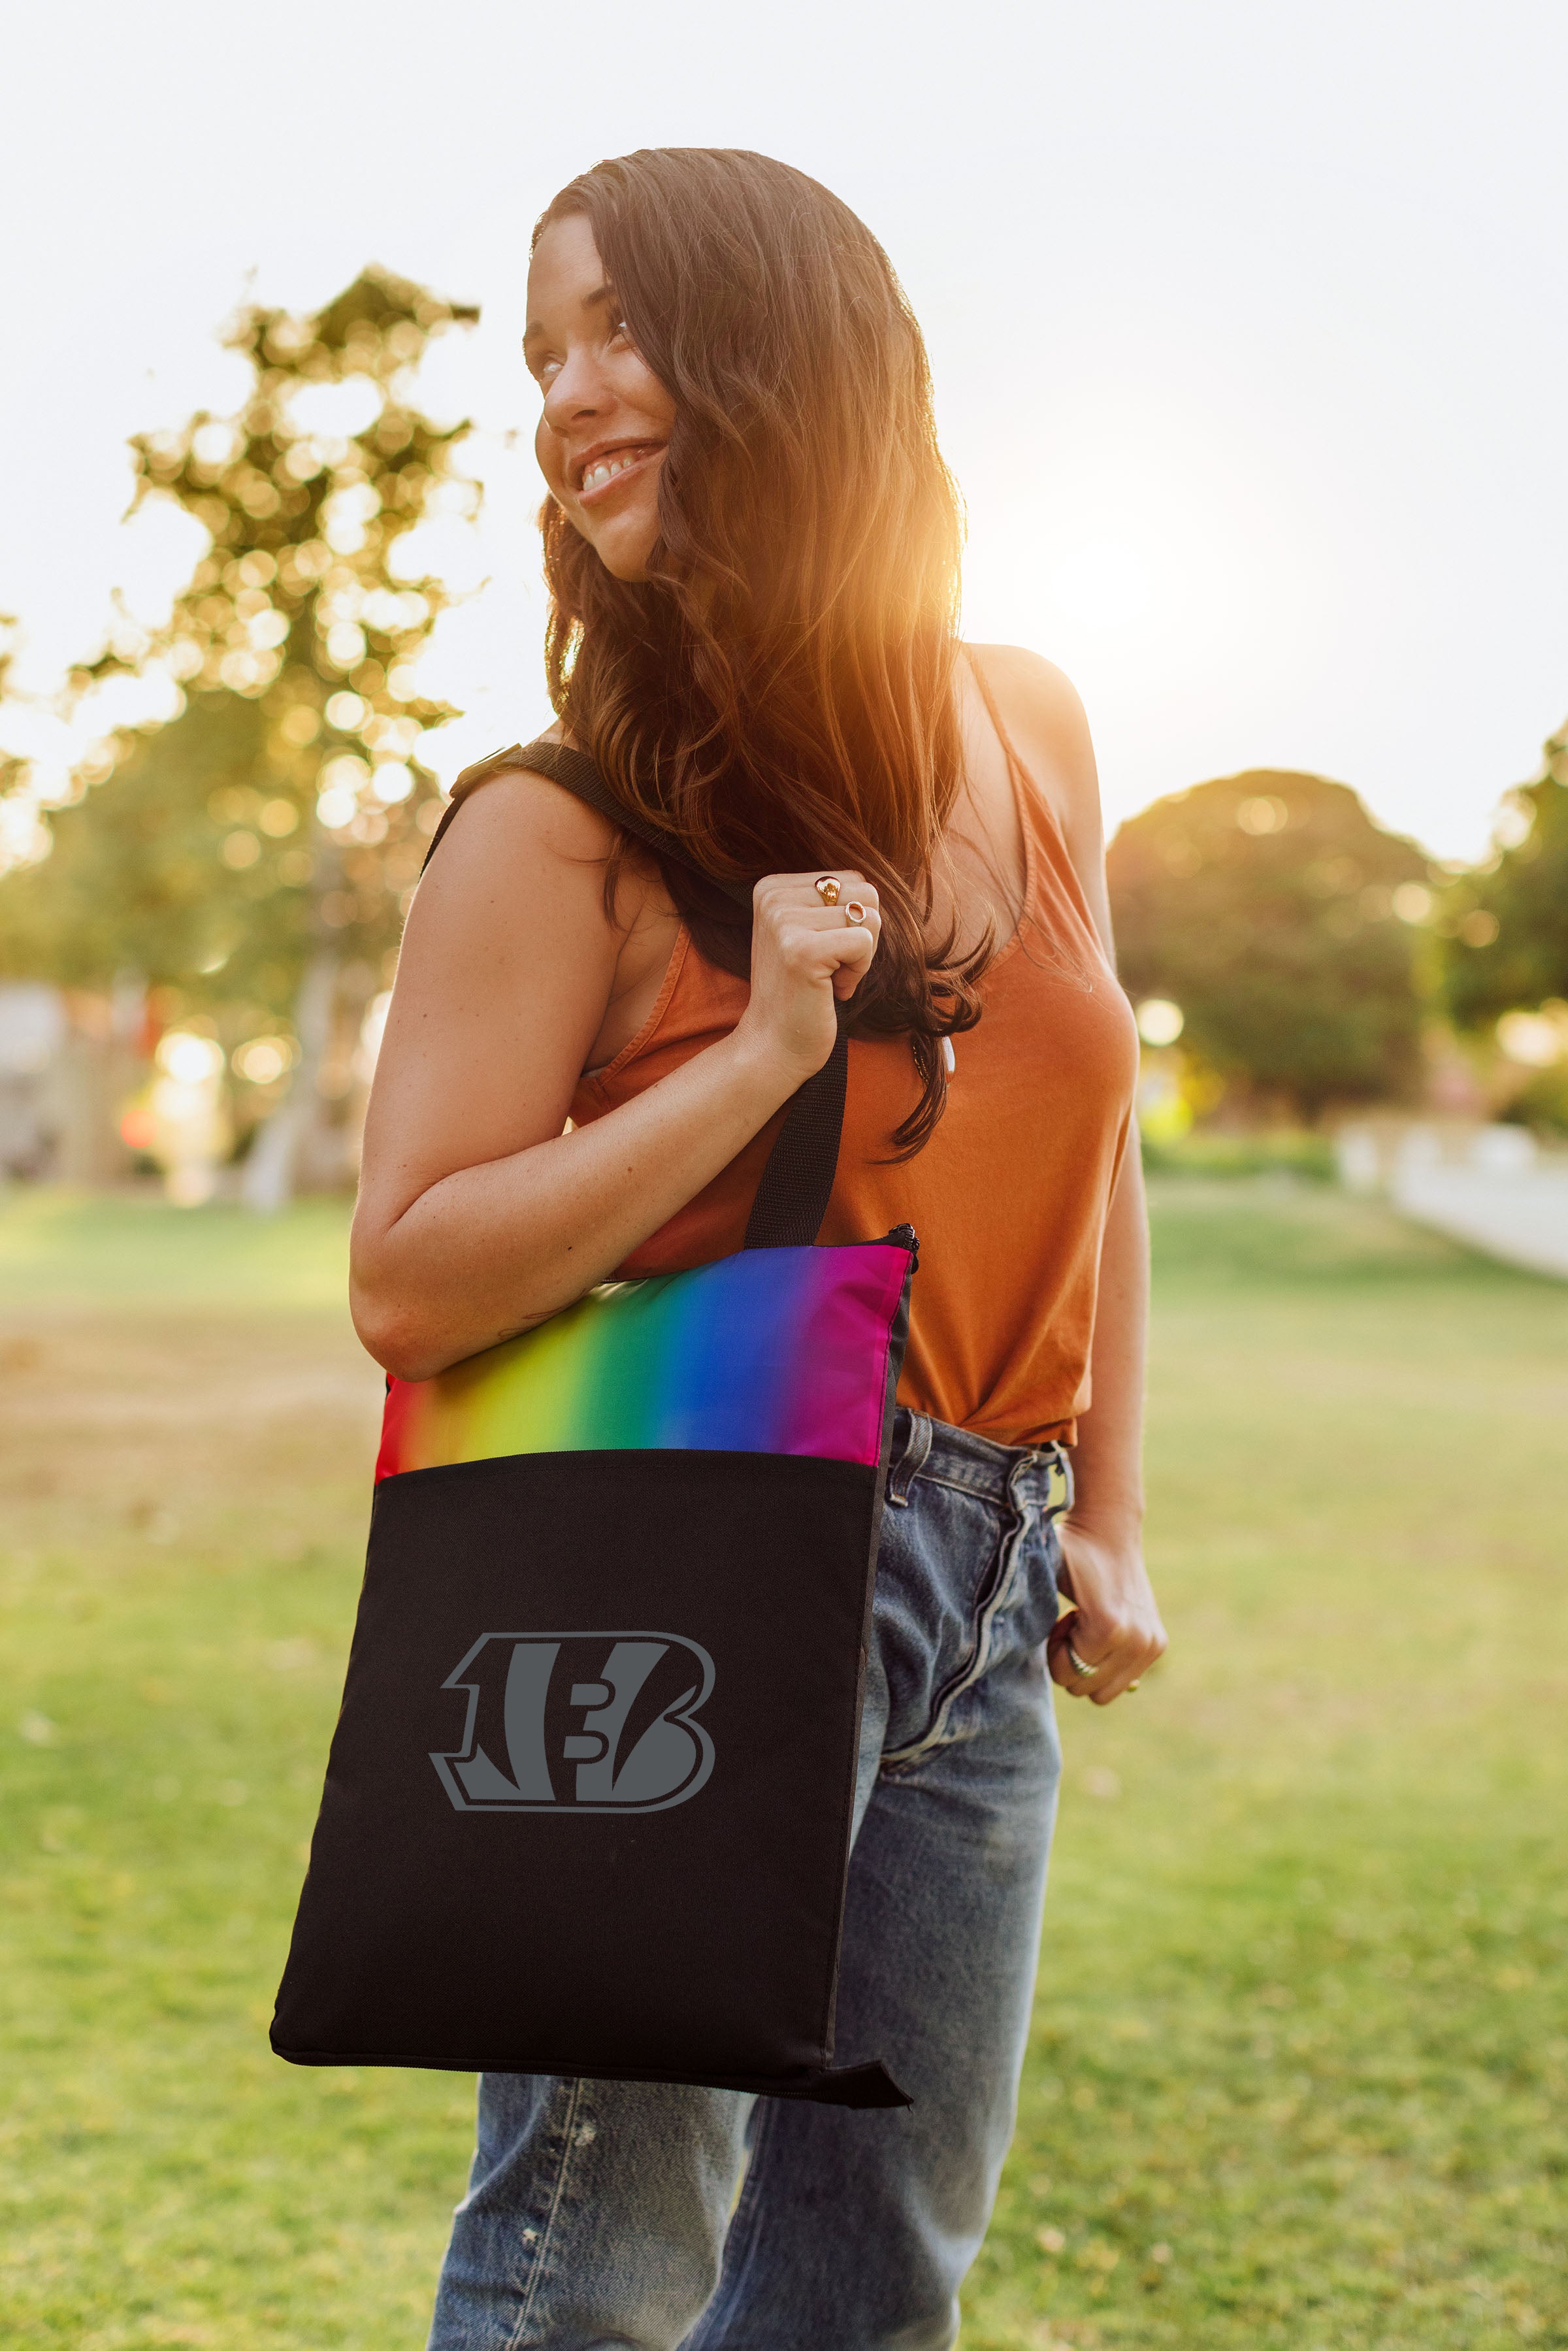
(778, 694)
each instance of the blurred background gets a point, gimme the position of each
(1249, 343)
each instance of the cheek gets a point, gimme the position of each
(639, 512)
(644, 395)
(549, 460)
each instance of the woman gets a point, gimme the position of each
(751, 546)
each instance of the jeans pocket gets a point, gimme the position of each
(938, 1561)
(952, 1572)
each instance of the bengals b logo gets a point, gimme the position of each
(588, 1722)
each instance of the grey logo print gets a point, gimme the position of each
(587, 1723)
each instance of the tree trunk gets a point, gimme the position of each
(271, 1171)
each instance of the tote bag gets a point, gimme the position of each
(588, 1804)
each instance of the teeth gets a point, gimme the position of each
(604, 469)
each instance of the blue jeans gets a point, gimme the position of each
(606, 2214)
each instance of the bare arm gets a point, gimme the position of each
(1117, 1624)
(477, 1216)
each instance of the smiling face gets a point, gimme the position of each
(607, 418)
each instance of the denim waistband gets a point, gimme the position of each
(1017, 1474)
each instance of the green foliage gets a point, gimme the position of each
(1297, 2078)
(1263, 905)
(201, 863)
(13, 770)
(1541, 1101)
(1506, 928)
(1273, 1151)
(136, 879)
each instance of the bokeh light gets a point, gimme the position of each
(1160, 1022)
(1536, 1040)
(189, 1060)
(335, 807)
(263, 1059)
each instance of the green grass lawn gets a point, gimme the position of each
(1302, 2045)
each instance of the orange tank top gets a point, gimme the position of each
(1008, 1198)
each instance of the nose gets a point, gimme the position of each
(577, 389)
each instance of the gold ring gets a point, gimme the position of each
(1078, 1666)
(827, 889)
(854, 912)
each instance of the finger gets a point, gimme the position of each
(854, 959)
(839, 946)
(1061, 1650)
(841, 955)
(817, 917)
(801, 889)
(1115, 1661)
(839, 942)
(854, 914)
(1118, 1681)
(1127, 1663)
(1062, 1675)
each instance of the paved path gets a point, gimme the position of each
(1520, 1216)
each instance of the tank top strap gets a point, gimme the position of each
(1056, 913)
(1031, 800)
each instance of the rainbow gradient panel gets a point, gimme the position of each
(772, 1351)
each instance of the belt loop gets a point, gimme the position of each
(1056, 1461)
(911, 1461)
(1064, 1463)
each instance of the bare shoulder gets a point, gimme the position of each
(1041, 711)
(517, 814)
(512, 820)
(511, 909)
(1035, 683)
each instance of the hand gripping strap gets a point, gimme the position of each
(792, 1197)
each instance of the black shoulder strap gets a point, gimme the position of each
(792, 1197)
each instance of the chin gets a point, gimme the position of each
(623, 562)
(624, 538)
(624, 545)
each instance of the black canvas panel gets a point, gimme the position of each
(588, 1804)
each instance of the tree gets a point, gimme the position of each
(1505, 926)
(1267, 906)
(248, 854)
(22, 837)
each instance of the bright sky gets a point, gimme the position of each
(1247, 322)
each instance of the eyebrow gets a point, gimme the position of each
(601, 295)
